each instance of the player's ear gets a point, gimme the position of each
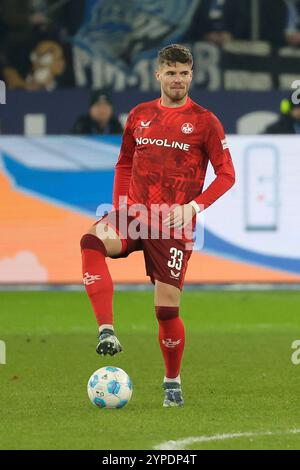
(157, 75)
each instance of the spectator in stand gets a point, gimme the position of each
(220, 21)
(34, 57)
(292, 29)
(100, 118)
(289, 121)
(48, 68)
(282, 27)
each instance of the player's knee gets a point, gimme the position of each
(166, 313)
(91, 242)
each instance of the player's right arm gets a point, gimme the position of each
(123, 168)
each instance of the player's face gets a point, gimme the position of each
(175, 80)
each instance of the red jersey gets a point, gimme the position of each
(165, 152)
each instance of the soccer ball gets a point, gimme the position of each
(109, 387)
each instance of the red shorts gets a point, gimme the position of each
(166, 260)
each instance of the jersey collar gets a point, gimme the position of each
(184, 106)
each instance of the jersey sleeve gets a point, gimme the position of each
(123, 166)
(218, 153)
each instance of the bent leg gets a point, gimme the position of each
(108, 236)
(98, 243)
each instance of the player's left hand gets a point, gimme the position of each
(180, 216)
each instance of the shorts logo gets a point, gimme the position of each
(174, 275)
(89, 279)
(187, 128)
(171, 344)
(145, 124)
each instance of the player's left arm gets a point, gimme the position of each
(220, 158)
(219, 155)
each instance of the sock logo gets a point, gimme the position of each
(171, 344)
(89, 279)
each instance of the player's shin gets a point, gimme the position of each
(97, 279)
(171, 340)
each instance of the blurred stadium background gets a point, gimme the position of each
(54, 54)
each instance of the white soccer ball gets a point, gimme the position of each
(109, 387)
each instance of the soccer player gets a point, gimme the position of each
(167, 144)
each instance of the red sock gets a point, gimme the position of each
(96, 278)
(171, 338)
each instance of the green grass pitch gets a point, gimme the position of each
(237, 372)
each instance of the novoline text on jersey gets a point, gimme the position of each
(162, 143)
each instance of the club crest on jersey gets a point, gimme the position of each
(145, 124)
(187, 128)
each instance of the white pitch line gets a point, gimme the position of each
(181, 444)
